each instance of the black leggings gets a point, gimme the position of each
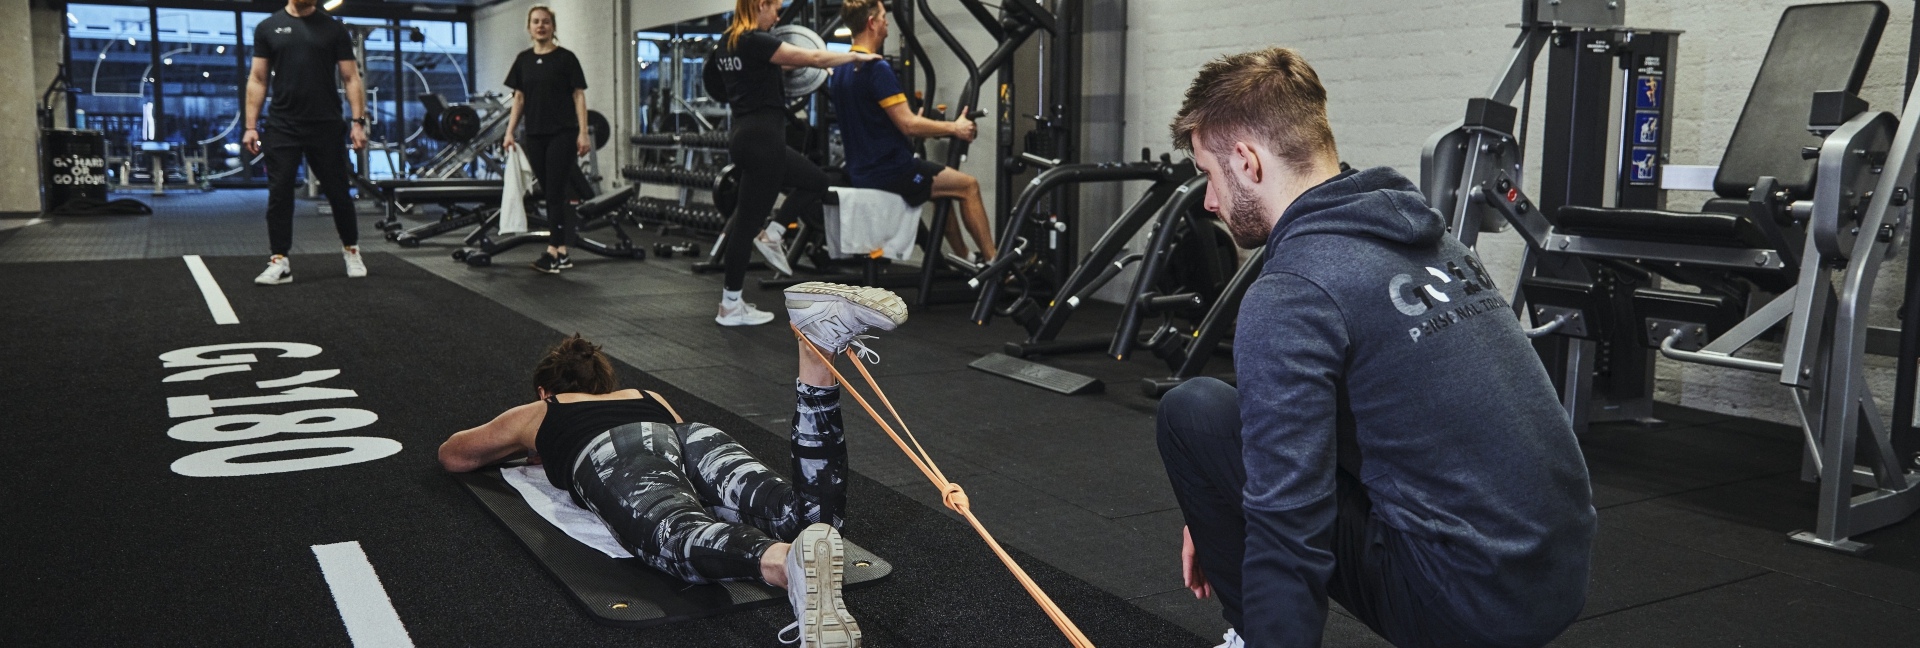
(324, 146)
(555, 162)
(691, 502)
(759, 149)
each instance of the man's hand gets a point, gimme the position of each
(359, 137)
(583, 144)
(1190, 574)
(964, 128)
(251, 141)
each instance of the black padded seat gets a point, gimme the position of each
(480, 193)
(603, 203)
(1712, 228)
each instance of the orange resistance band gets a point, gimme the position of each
(951, 494)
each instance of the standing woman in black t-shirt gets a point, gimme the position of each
(550, 92)
(747, 67)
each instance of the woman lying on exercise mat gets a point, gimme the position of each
(685, 497)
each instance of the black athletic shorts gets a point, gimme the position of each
(917, 187)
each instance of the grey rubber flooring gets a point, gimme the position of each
(1694, 511)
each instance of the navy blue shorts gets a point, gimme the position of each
(917, 187)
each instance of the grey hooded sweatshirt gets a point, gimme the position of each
(1369, 323)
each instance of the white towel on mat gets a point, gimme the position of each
(557, 508)
(871, 219)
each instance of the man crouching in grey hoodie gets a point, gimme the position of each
(1394, 443)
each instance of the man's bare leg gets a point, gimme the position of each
(952, 183)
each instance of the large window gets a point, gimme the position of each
(176, 79)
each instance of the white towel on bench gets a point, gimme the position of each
(871, 219)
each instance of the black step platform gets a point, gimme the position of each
(624, 592)
(1038, 375)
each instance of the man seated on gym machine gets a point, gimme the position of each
(875, 124)
(1393, 442)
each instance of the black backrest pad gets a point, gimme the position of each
(1815, 48)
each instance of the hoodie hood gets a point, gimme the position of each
(1376, 202)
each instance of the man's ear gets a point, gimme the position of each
(1248, 159)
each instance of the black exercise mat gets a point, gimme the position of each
(106, 545)
(624, 592)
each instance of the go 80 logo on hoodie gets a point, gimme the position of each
(1444, 296)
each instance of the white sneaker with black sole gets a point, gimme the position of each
(355, 266)
(741, 313)
(816, 569)
(279, 270)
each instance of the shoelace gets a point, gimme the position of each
(795, 627)
(865, 352)
(950, 493)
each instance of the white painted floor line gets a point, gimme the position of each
(210, 289)
(364, 606)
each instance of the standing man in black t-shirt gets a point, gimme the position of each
(305, 49)
(550, 93)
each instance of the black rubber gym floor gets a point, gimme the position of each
(103, 543)
(106, 545)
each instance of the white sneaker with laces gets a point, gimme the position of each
(769, 244)
(742, 313)
(816, 568)
(279, 270)
(355, 266)
(1231, 640)
(833, 316)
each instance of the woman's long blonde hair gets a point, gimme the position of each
(550, 16)
(744, 14)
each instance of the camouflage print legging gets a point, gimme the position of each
(691, 502)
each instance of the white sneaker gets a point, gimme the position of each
(355, 267)
(279, 270)
(816, 568)
(771, 248)
(833, 316)
(1231, 640)
(744, 314)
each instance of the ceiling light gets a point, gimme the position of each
(130, 42)
(206, 75)
(843, 32)
(333, 4)
(220, 50)
(166, 61)
(72, 20)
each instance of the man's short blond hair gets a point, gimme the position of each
(1270, 96)
(855, 13)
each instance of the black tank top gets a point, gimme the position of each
(568, 427)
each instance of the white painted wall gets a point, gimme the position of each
(1397, 71)
(19, 134)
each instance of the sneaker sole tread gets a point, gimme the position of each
(827, 623)
(880, 300)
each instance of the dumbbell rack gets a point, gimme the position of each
(698, 167)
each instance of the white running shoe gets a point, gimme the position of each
(771, 248)
(833, 316)
(1231, 640)
(355, 266)
(816, 568)
(745, 314)
(279, 270)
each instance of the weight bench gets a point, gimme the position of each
(624, 592)
(462, 205)
(594, 213)
(394, 208)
